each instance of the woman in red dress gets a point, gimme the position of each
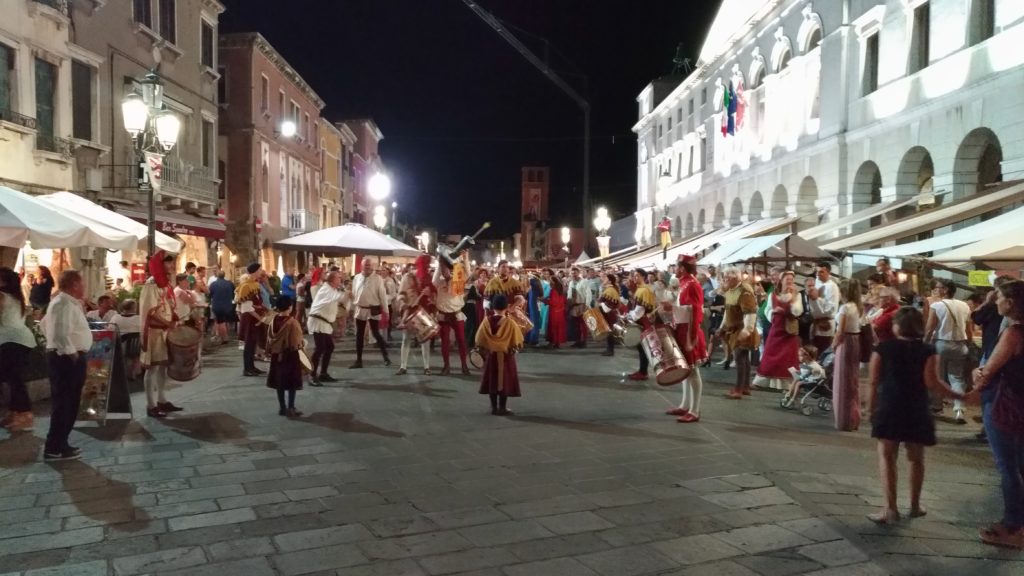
(557, 329)
(782, 346)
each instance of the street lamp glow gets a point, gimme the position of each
(379, 186)
(288, 128)
(566, 235)
(167, 129)
(135, 113)
(602, 222)
(394, 205)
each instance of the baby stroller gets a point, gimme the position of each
(811, 392)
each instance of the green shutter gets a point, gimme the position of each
(46, 82)
(6, 65)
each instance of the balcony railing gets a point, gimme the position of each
(188, 182)
(58, 5)
(51, 143)
(19, 119)
(302, 221)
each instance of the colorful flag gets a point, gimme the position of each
(731, 110)
(741, 103)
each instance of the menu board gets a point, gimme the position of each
(105, 393)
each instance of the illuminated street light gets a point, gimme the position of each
(380, 218)
(288, 129)
(379, 186)
(602, 222)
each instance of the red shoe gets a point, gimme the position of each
(677, 412)
(638, 376)
(746, 391)
(734, 395)
(687, 418)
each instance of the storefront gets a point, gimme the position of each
(201, 238)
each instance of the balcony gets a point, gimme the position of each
(302, 221)
(55, 144)
(12, 117)
(188, 182)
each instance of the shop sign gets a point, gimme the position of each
(185, 229)
(979, 278)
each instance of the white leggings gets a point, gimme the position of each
(156, 378)
(693, 388)
(407, 341)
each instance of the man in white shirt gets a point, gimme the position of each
(823, 301)
(595, 284)
(320, 322)
(184, 299)
(68, 339)
(127, 320)
(370, 297)
(579, 297)
(104, 310)
(124, 274)
(450, 300)
(948, 326)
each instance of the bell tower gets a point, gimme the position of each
(536, 182)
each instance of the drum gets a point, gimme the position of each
(521, 319)
(666, 358)
(183, 353)
(421, 324)
(631, 335)
(476, 358)
(596, 324)
(307, 366)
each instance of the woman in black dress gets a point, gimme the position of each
(284, 340)
(41, 291)
(902, 372)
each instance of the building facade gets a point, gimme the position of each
(272, 176)
(366, 162)
(121, 42)
(819, 109)
(331, 160)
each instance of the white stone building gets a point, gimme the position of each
(843, 104)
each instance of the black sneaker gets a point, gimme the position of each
(62, 455)
(327, 378)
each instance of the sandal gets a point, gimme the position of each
(885, 517)
(998, 535)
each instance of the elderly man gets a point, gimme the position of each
(67, 340)
(370, 297)
(823, 300)
(320, 323)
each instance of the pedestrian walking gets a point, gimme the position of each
(16, 341)
(68, 339)
(947, 327)
(222, 295)
(903, 371)
(284, 341)
(501, 339)
(846, 346)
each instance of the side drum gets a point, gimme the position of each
(183, 344)
(672, 367)
(596, 324)
(631, 335)
(421, 324)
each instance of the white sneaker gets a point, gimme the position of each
(958, 417)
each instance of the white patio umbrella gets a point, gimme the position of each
(24, 218)
(348, 239)
(90, 213)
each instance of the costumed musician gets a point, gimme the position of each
(370, 297)
(416, 292)
(501, 338)
(739, 328)
(609, 303)
(689, 316)
(251, 310)
(157, 310)
(503, 283)
(644, 313)
(320, 319)
(450, 283)
(284, 340)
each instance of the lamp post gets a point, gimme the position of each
(394, 216)
(153, 130)
(602, 222)
(380, 218)
(566, 236)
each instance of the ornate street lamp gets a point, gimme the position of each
(379, 186)
(602, 222)
(566, 236)
(380, 218)
(154, 130)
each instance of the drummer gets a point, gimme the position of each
(156, 308)
(644, 311)
(609, 304)
(451, 285)
(416, 292)
(503, 283)
(690, 338)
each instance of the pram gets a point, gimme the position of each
(811, 392)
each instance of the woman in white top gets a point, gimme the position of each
(846, 346)
(947, 327)
(16, 341)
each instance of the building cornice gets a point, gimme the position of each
(256, 40)
(213, 6)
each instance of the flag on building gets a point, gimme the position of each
(731, 108)
(726, 100)
(741, 103)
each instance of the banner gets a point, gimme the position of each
(154, 170)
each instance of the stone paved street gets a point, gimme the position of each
(403, 476)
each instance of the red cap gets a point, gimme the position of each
(686, 258)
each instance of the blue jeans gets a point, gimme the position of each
(1008, 452)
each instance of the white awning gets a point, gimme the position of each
(1001, 251)
(930, 220)
(777, 246)
(703, 242)
(855, 218)
(1003, 225)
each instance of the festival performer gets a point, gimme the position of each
(416, 291)
(320, 322)
(501, 338)
(369, 297)
(502, 283)
(644, 310)
(536, 292)
(609, 303)
(782, 340)
(556, 301)
(284, 340)
(690, 337)
(450, 284)
(579, 301)
(739, 328)
(251, 310)
(156, 308)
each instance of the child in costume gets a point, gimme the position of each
(501, 338)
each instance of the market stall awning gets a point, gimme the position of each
(180, 223)
(598, 261)
(929, 220)
(1002, 251)
(90, 213)
(855, 218)
(348, 239)
(25, 218)
(780, 247)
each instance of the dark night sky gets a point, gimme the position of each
(462, 111)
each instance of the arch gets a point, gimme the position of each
(978, 163)
(688, 227)
(811, 30)
(718, 220)
(736, 212)
(677, 227)
(915, 172)
(782, 51)
(756, 207)
(757, 69)
(806, 203)
(702, 221)
(867, 191)
(780, 202)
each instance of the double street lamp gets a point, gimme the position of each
(602, 222)
(154, 130)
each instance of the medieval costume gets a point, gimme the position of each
(500, 338)
(557, 329)
(369, 297)
(323, 313)
(740, 332)
(643, 313)
(450, 285)
(533, 303)
(251, 309)
(508, 286)
(415, 291)
(609, 304)
(284, 340)
(156, 308)
(473, 310)
(782, 341)
(690, 337)
(578, 301)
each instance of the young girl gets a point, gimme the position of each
(902, 372)
(284, 340)
(810, 371)
(501, 338)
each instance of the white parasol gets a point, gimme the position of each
(348, 239)
(24, 218)
(90, 214)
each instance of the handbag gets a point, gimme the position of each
(867, 341)
(792, 325)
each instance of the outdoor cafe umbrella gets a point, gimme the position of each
(90, 213)
(346, 240)
(24, 218)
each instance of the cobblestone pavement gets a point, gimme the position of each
(411, 475)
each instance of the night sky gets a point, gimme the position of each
(462, 111)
